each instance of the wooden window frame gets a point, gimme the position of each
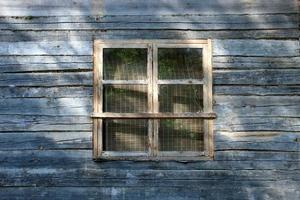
(153, 114)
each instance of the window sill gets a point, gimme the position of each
(156, 159)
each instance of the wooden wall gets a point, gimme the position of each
(46, 90)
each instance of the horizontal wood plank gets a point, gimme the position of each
(46, 79)
(89, 35)
(136, 178)
(261, 77)
(135, 7)
(255, 48)
(135, 193)
(153, 22)
(250, 90)
(45, 140)
(46, 92)
(35, 122)
(242, 106)
(154, 115)
(257, 123)
(47, 48)
(176, 82)
(221, 48)
(249, 63)
(47, 106)
(86, 91)
(76, 159)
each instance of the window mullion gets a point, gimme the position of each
(150, 98)
(207, 98)
(97, 100)
(155, 99)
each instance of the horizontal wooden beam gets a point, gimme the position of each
(184, 81)
(125, 82)
(109, 115)
(144, 41)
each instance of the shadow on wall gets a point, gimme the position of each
(46, 89)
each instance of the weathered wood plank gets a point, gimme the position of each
(47, 106)
(256, 155)
(267, 141)
(64, 67)
(224, 62)
(45, 140)
(256, 48)
(221, 48)
(46, 79)
(41, 122)
(218, 18)
(46, 92)
(190, 115)
(257, 136)
(135, 7)
(269, 190)
(258, 146)
(116, 178)
(86, 91)
(67, 159)
(278, 90)
(45, 59)
(46, 48)
(257, 77)
(159, 178)
(257, 123)
(47, 7)
(258, 140)
(17, 36)
(167, 22)
(242, 106)
(139, 176)
(263, 77)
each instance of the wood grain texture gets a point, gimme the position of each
(88, 35)
(194, 192)
(236, 47)
(135, 7)
(109, 115)
(153, 22)
(46, 60)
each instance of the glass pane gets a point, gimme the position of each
(125, 98)
(179, 63)
(125, 135)
(125, 64)
(181, 135)
(180, 98)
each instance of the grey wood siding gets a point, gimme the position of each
(46, 99)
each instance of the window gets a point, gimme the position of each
(153, 100)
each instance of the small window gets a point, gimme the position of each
(152, 100)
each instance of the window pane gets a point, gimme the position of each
(125, 98)
(180, 98)
(181, 135)
(125, 135)
(179, 63)
(125, 64)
